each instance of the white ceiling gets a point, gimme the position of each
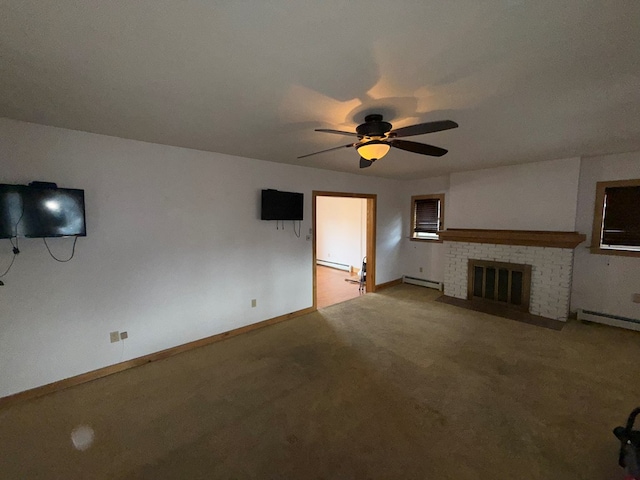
(527, 80)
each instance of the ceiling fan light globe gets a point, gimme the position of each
(373, 150)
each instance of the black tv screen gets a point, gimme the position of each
(278, 205)
(35, 211)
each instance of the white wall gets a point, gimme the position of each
(604, 283)
(416, 255)
(175, 250)
(554, 195)
(341, 232)
(533, 196)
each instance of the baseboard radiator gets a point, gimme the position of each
(608, 319)
(339, 266)
(423, 282)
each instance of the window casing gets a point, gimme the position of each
(427, 217)
(616, 220)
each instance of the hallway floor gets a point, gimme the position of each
(333, 287)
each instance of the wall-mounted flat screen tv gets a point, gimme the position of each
(36, 211)
(278, 205)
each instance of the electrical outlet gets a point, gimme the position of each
(420, 269)
(254, 302)
(636, 298)
(124, 335)
(308, 238)
(310, 231)
(114, 337)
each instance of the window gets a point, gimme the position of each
(427, 217)
(616, 223)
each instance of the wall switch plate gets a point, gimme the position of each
(254, 302)
(636, 298)
(420, 269)
(124, 335)
(114, 337)
(310, 231)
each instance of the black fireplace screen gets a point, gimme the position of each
(505, 283)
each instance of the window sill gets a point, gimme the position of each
(432, 240)
(609, 251)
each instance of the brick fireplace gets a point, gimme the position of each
(548, 256)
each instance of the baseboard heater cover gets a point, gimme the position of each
(339, 266)
(608, 319)
(423, 282)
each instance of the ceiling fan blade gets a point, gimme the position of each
(415, 147)
(339, 132)
(364, 163)
(328, 150)
(422, 128)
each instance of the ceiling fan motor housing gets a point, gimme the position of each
(375, 138)
(373, 126)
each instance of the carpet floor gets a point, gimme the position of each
(390, 385)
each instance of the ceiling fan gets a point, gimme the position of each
(376, 137)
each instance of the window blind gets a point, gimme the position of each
(621, 216)
(427, 213)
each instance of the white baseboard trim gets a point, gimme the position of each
(423, 282)
(339, 266)
(608, 319)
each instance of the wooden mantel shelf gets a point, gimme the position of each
(530, 238)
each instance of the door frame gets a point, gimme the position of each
(372, 201)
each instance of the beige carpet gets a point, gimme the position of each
(390, 385)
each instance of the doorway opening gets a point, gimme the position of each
(340, 267)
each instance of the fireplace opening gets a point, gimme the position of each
(502, 283)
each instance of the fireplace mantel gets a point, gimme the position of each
(531, 238)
